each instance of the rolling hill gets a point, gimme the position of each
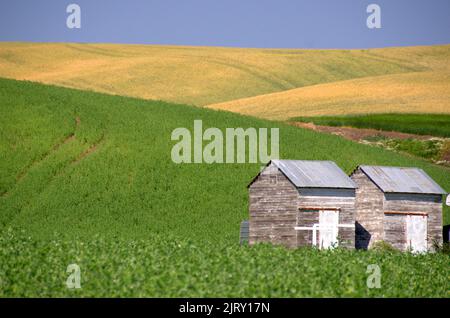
(421, 91)
(299, 82)
(415, 92)
(87, 178)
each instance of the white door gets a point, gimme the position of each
(416, 233)
(328, 228)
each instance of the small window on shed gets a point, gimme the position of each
(309, 210)
(273, 179)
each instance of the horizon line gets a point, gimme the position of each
(223, 46)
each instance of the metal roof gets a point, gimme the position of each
(314, 174)
(402, 180)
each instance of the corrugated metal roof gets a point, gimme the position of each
(314, 174)
(402, 180)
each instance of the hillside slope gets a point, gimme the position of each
(416, 92)
(205, 75)
(81, 163)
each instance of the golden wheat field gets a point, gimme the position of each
(424, 91)
(416, 92)
(270, 83)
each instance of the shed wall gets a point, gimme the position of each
(423, 203)
(369, 211)
(327, 198)
(273, 209)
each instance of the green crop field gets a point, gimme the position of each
(420, 124)
(176, 267)
(87, 178)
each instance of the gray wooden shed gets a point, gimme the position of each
(401, 206)
(302, 203)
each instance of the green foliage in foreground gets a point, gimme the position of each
(420, 124)
(158, 267)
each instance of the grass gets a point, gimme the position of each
(429, 149)
(88, 175)
(420, 124)
(162, 267)
(171, 73)
(433, 149)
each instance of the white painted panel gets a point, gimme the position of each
(416, 233)
(328, 225)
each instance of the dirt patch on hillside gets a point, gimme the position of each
(357, 134)
(432, 148)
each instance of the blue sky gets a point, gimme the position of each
(238, 23)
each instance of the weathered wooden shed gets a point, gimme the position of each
(302, 203)
(401, 206)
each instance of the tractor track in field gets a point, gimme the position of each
(91, 149)
(44, 157)
(60, 171)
